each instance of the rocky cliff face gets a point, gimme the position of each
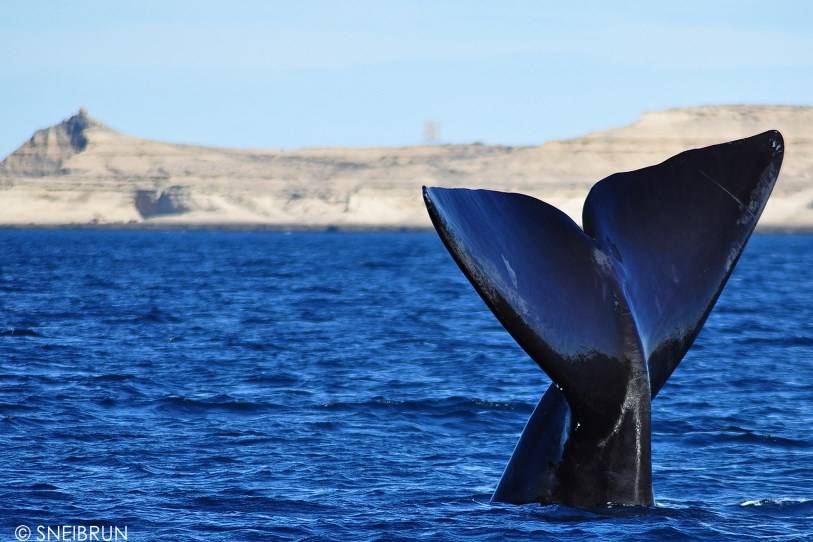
(81, 171)
(49, 148)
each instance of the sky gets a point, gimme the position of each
(311, 73)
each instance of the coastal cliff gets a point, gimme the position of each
(83, 172)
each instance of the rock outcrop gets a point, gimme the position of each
(81, 172)
(49, 148)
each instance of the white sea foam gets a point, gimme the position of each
(780, 501)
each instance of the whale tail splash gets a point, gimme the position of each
(607, 311)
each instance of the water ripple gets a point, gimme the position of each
(257, 385)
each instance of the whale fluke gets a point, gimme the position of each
(678, 229)
(607, 311)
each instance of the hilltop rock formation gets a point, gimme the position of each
(49, 148)
(80, 171)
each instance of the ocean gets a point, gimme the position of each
(223, 385)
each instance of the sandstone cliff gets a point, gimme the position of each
(81, 172)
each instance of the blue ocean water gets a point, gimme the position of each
(259, 386)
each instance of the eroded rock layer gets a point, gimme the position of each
(80, 171)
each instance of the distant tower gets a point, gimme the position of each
(431, 132)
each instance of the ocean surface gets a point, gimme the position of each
(236, 386)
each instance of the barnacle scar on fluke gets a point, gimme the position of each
(609, 311)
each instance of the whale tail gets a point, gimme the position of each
(607, 311)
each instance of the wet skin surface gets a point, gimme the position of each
(608, 312)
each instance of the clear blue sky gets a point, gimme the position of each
(311, 73)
